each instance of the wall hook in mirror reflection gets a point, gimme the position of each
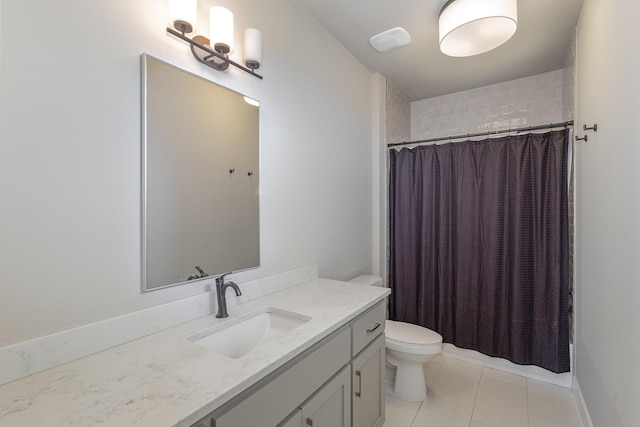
(201, 271)
(593, 128)
(196, 276)
(232, 170)
(250, 173)
(584, 138)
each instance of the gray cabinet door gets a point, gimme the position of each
(294, 420)
(331, 406)
(368, 385)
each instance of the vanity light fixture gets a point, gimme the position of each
(252, 101)
(471, 27)
(214, 52)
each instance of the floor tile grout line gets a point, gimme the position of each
(527, 395)
(475, 398)
(552, 418)
(413, 420)
(436, 374)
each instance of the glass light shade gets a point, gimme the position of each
(182, 15)
(221, 28)
(471, 27)
(252, 48)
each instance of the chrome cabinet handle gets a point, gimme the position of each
(376, 326)
(310, 422)
(359, 375)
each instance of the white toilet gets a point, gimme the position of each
(408, 348)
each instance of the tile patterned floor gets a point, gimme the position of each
(463, 394)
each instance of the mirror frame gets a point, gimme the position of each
(144, 179)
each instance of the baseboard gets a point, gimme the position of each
(583, 411)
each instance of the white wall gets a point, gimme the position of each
(70, 153)
(608, 212)
(379, 175)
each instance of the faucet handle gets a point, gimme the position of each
(221, 278)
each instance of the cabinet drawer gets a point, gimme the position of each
(367, 327)
(275, 400)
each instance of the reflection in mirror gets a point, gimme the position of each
(200, 213)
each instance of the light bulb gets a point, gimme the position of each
(221, 29)
(182, 15)
(252, 48)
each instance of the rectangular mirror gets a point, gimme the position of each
(200, 185)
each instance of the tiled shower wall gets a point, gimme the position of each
(569, 81)
(530, 101)
(398, 116)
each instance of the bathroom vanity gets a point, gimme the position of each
(315, 388)
(325, 368)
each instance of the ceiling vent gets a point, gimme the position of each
(390, 39)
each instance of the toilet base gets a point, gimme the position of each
(409, 383)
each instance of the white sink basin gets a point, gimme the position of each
(238, 337)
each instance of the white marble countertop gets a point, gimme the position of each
(166, 380)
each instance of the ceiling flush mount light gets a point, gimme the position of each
(214, 52)
(390, 39)
(471, 27)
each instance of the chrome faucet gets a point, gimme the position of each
(221, 289)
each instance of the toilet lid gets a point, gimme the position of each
(411, 334)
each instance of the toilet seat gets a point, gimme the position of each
(412, 339)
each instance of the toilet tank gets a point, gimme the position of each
(367, 280)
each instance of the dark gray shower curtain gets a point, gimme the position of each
(479, 245)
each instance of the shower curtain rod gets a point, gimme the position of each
(494, 132)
